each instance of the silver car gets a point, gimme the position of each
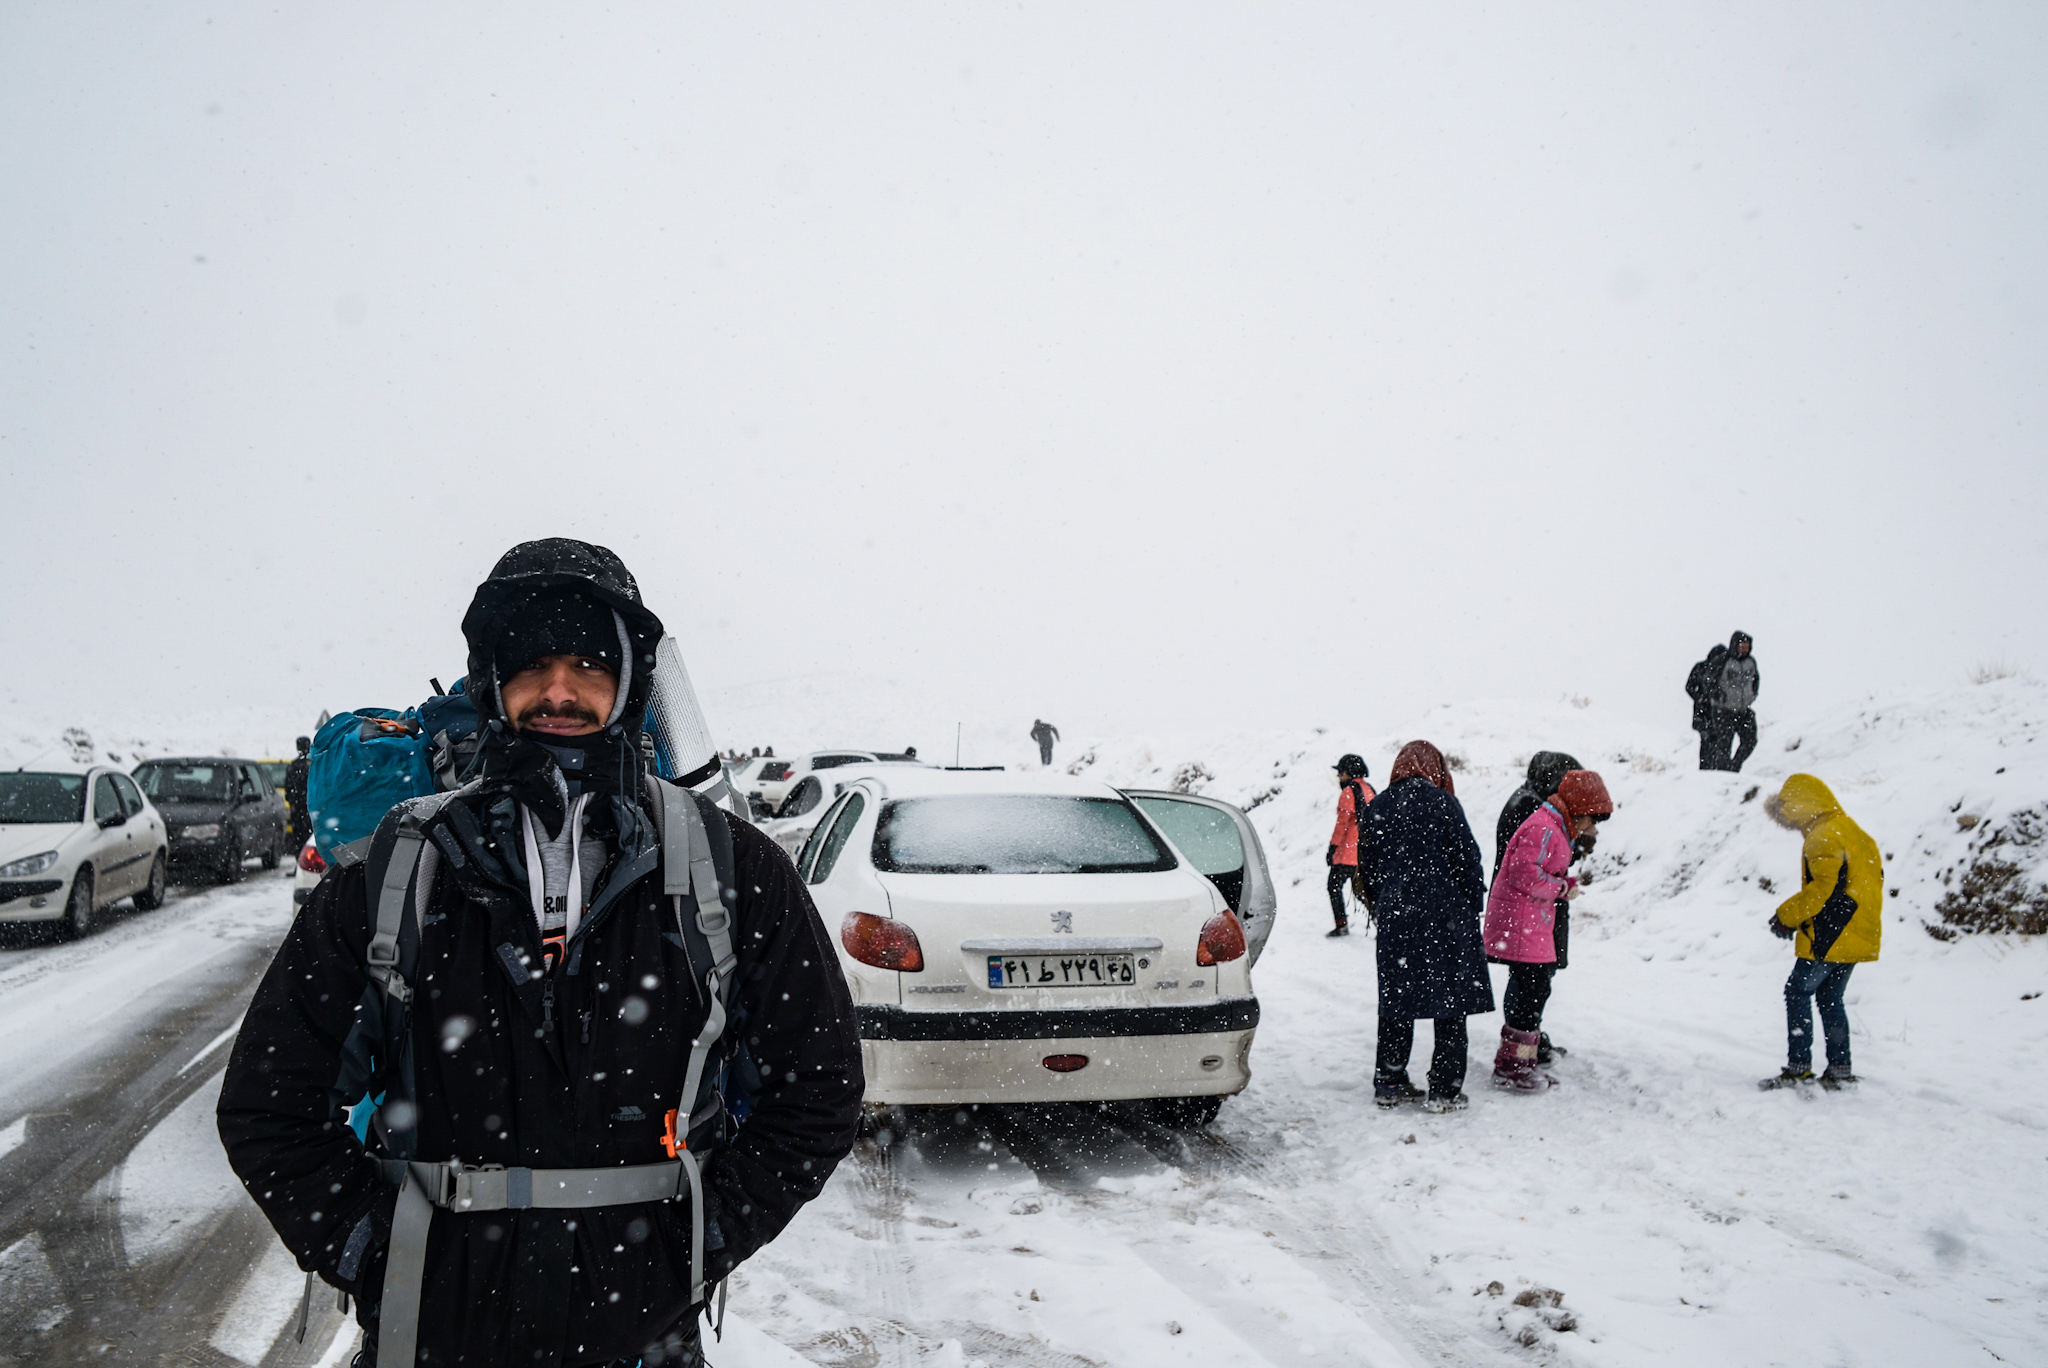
(72, 843)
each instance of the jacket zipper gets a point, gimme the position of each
(585, 1014)
(547, 1005)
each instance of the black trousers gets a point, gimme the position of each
(1446, 1059)
(1722, 728)
(1045, 752)
(1528, 990)
(1340, 875)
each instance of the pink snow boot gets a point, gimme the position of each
(1514, 1065)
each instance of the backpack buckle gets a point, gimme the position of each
(670, 1141)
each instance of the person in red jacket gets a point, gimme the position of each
(1352, 796)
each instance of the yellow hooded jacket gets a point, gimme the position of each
(1840, 909)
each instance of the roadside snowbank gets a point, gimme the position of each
(1685, 1216)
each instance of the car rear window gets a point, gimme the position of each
(1206, 835)
(835, 761)
(169, 779)
(774, 770)
(1015, 834)
(42, 797)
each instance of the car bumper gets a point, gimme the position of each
(23, 900)
(954, 1058)
(182, 847)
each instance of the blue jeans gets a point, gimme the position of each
(1817, 982)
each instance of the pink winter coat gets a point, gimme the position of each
(1521, 911)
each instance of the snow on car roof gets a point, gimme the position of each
(908, 782)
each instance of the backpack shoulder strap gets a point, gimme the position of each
(697, 871)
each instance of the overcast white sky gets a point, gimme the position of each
(1119, 363)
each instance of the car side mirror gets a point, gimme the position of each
(112, 820)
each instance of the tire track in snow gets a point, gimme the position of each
(176, 978)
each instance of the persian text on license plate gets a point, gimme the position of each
(1060, 971)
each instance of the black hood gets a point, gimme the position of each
(1547, 770)
(537, 569)
(1740, 639)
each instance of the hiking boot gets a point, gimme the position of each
(1439, 1103)
(1514, 1065)
(1341, 929)
(1545, 1050)
(1837, 1076)
(1791, 1076)
(1388, 1096)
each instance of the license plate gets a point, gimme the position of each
(1061, 971)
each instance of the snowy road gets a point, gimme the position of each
(124, 1239)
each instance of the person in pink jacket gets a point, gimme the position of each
(1521, 918)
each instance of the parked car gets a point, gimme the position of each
(273, 770)
(808, 800)
(769, 786)
(1219, 840)
(1029, 938)
(219, 812)
(73, 843)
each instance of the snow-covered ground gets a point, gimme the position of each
(1654, 1208)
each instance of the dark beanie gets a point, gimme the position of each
(557, 622)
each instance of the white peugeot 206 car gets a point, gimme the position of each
(1029, 938)
(73, 842)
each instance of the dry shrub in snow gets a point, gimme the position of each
(1996, 893)
(1990, 671)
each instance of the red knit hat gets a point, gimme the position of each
(1581, 794)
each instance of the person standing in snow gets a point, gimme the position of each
(1546, 768)
(548, 1040)
(298, 829)
(1424, 880)
(1522, 911)
(1700, 687)
(1353, 794)
(1731, 696)
(1044, 733)
(1835, 922)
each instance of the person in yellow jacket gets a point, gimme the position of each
(1835, 919)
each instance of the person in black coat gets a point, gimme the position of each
(1546, 770)
(553, 1005)
(1422, 873)
(298, 829)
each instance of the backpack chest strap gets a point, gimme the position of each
(454, 1186)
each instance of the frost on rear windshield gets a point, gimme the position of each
(1015, 834)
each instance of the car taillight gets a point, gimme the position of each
(881, 941)
(1222, 939)
(1065, 1063)
(310, 861)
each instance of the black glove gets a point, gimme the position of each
(1782, 931)
(1330, 855)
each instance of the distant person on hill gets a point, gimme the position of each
(1353, 793)
(910, 752)
(1522, 911)
(1835, 921)
(1699, 687)
(1730, 691)
(1425, 883)
(299, 829)
(1044, 733)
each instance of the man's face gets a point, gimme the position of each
(1741, 648)
(561, 695)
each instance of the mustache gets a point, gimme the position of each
(575, 712)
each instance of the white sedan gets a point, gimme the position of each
(72, 843)
(1024, 938)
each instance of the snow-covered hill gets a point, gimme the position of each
(1684, 1216)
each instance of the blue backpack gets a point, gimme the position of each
(367, 761)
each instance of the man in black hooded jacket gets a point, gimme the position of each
(553, 1010)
